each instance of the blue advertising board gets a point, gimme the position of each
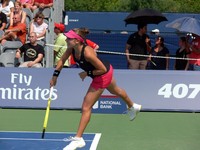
(155, 90)
(109, 104)
(114, 21)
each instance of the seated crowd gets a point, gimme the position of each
(14, 24)
(15, 27)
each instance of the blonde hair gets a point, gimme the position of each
(39, 14)
(81, 32)
(18, 3)
(5, 1)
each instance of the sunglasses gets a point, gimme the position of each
(39, 17)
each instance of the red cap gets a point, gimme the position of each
(60, 26)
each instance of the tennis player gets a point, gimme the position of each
(102, 74)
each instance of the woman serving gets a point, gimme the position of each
(102, 74)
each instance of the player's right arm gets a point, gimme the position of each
(62, 60)
(59, 67)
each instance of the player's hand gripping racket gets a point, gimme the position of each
(47, 112)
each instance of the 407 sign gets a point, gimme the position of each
(179, 90)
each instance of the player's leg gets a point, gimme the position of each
(89, 100)
(133, 108)
(114, 89)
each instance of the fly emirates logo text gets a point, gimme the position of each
(21, 89)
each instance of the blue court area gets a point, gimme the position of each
(52, 141)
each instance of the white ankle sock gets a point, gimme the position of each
(136, 105)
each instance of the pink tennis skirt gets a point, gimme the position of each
(102, 81)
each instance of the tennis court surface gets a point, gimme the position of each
(149, 131)
(52, 141)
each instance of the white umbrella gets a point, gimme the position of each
(186, 24)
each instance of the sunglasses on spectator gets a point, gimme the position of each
(39, 17)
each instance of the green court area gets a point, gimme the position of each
(149, 131)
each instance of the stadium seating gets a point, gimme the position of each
(28, 13)
(10, 46)
(8, 59)
(29, 17)
(1, 33)
(46, 12)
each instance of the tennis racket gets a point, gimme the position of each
(47, 112)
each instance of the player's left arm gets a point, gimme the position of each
(91, 57)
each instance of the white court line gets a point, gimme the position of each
(30, 139)
(95, 141)
(41, 132)
(93, 146)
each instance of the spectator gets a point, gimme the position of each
(26, 3)
(3, 21)
(181, 52)
(18, 10)
(7, 6)
(138, 43)
(33, 53)
(156, 63)
(60, 44)
(42, 4)
(17, 32)
(195, 53)
(39, 26)
(92, 44)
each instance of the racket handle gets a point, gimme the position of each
(43, 132)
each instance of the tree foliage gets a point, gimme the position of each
(182, 6)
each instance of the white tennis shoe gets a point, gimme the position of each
(133, 111)
(75, 143)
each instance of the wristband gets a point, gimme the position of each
(56, 73)
(89, 73)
